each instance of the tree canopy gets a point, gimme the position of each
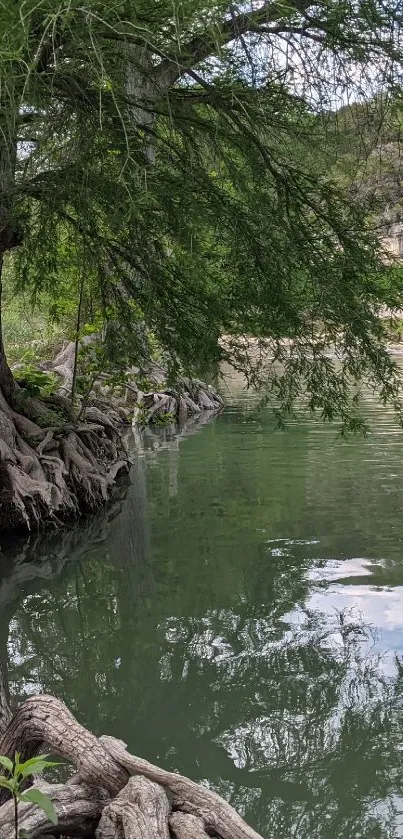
(162, 156)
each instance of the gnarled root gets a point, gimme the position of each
(78, 807)
(44, 719)
(140, 811)
(146, 807)
(54, 473)
(184, 826)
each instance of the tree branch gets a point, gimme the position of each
(202, 46)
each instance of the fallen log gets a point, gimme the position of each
(146, 806)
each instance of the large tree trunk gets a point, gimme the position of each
(5, 709)
(6, 376)
(10, 236)
(146, 807)
(51, 468)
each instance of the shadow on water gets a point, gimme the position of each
(186, 623)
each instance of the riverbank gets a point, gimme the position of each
(62, 451)
(136, 396)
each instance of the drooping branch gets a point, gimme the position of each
(200, 47)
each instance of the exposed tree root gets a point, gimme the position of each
(140, 811)
(155, 804)
(54, 472)
(78, 806)
(55, 466)
(184, 826)
(190, 397)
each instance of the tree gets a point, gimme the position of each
(153, 151)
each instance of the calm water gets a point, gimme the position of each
(237, 617)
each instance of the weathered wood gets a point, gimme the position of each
(188, 796)
(185, 826)
(191, 404)
(105, 762)
(44, 719)
(205, 401)
(78, 807)
(140, 811)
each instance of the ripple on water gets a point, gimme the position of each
(240, 619)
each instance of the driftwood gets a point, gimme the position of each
(147, 806)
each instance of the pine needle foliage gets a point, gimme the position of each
(162, 154)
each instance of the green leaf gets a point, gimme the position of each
(35, 766)
(7, 763)
(35, 796)
(6, 783)
(33, 760)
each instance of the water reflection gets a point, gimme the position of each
(237, 617)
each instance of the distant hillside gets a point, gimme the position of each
(364, 153)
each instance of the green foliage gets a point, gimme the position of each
(17, 773)
(37, 382)
(163, 419)
(30, 334)
(94, 361)
(170, 177)
(141, 416)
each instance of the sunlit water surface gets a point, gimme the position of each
(237, 617)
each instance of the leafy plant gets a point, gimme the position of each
(36, 381)
(17, 773)
(164, 419)
(145, 384)
(141, 415)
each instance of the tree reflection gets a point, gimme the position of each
(297, 722)
(290, 713)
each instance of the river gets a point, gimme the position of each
(237, 616)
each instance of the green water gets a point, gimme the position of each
(237, 617)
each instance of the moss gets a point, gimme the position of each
(36, 410)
